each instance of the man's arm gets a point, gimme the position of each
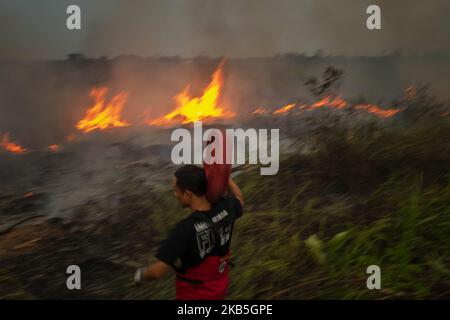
(235, 191)
(153, 272)
(171, 249)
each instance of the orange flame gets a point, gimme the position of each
(260, 111)
(284, 109)
(336, 102)
(383, 113)
(103, 116)
(328, 101)
(190, 109)
(10, 146)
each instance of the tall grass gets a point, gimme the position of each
(367, 196)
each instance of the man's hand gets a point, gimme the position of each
(155, 271)
(139, 275)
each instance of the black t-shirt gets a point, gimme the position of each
(202, 234)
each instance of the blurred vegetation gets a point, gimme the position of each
(368, 195)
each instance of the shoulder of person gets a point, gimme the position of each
(230, 202)
(230, 199)
(184, 225)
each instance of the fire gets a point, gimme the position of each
(53, 148)
(334, 102)
(103, 115)
(10, 146)
(29, 194)
(260, 111)
(205, 107)
(328, 101)
(377, 110)
(340, 103)
(284, 109)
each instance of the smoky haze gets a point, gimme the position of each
(40, 102)
(37, 30)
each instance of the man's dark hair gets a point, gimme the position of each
(192, 178)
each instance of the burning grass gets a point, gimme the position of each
(103, 115)
(203, 108)
(10, 146)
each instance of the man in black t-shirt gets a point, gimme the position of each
(198, 247)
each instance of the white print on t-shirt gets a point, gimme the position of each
(219, 216)
(205, 234)
(201, 226)
(225, 235)
(205, 242)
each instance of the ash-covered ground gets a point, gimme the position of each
(80, 205)
(91, 203)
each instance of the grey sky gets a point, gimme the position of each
(37, 30)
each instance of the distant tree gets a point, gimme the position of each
(75, 57)
(329, 82)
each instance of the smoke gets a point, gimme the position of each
(407, 26)
(221, 28)
(40, 103)
(265, 27)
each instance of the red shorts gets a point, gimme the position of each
(206, 281)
